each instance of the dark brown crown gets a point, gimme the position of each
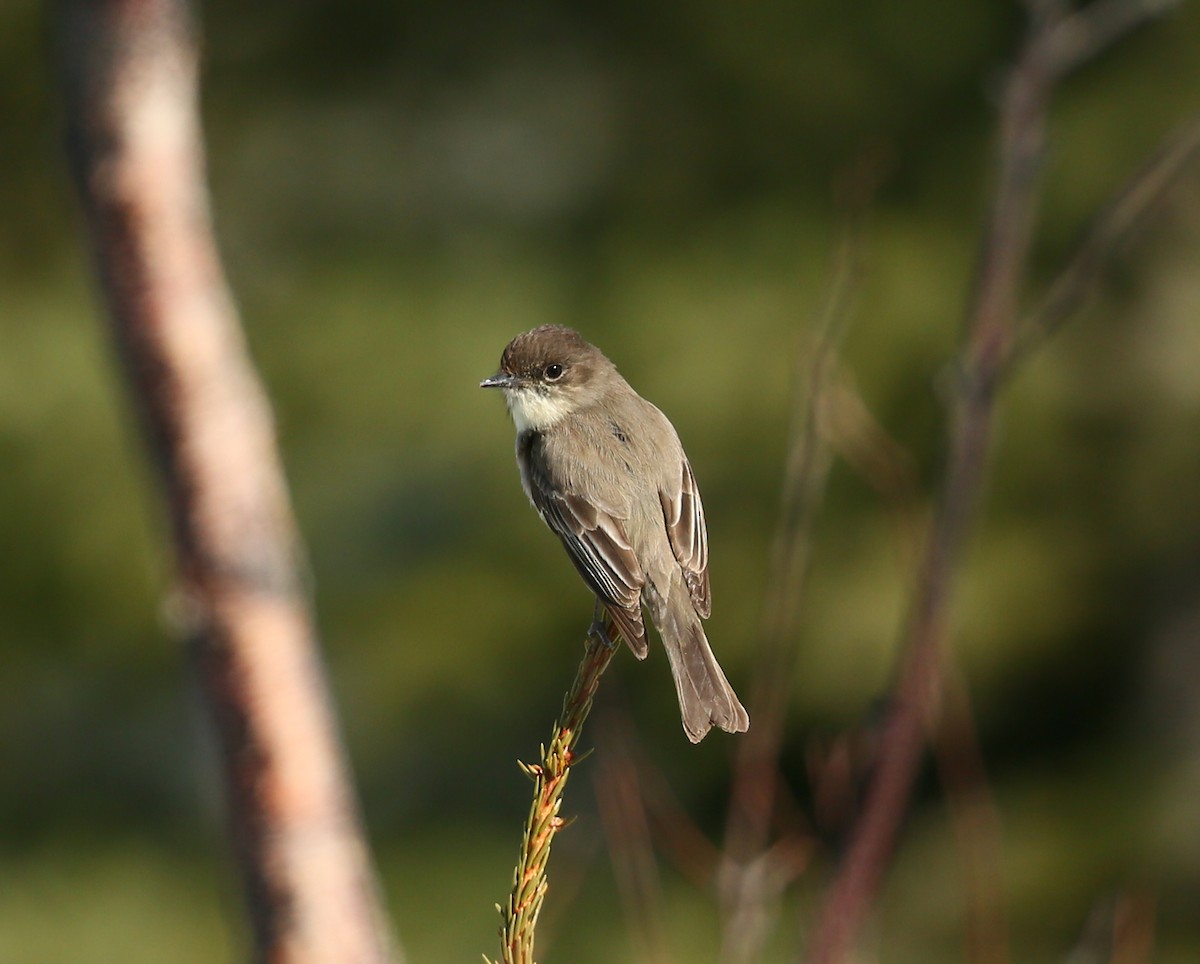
(531, 353)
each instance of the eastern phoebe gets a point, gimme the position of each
(605, 471)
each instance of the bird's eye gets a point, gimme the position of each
(554, 372)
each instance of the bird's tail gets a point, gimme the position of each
(705, 696)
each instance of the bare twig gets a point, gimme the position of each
(976, 823)
(675, 832)
(756, 775)
(1134, 927)
(129, 70)
(1128, 210)
(623, 815)
(1120, 929)
(1060, 41)
(884, 464)
(520, 914)
(1067, 41)
(835, 769)
(749, 884)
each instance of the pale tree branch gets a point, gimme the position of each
(129, 69)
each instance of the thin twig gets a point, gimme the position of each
(1120, 929)
(1128, 210)
(520, 914)
(859, 440)
(623, 815)
(1057, 44)
(1134, 926)
(755, 771)
(1071, 40)
(975, 820)
(676, 835)
(129, 72)
(749, 884)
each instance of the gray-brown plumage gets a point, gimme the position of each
(605, 470)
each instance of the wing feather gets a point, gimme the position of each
(596, 541)
(683, 513)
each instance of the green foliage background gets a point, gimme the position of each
(399, 188)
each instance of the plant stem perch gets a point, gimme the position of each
(520, 913)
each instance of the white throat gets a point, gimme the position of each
(534, 412)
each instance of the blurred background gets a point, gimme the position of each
(399, 188)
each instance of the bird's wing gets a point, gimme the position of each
(596, 542)
(683, 513)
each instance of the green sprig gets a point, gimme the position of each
(520, 914)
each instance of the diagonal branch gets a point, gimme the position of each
(1128, 210)
(129, 71)
(1058, 43)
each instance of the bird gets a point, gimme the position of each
(605, 470)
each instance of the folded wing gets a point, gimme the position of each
(683, 514)
(596, 541)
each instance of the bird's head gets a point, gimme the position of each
(549, 373)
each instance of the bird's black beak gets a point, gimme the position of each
(499, 380)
